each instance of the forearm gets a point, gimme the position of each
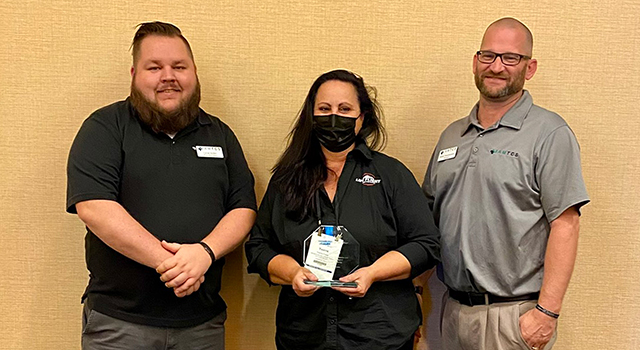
(282, 268)
(231, 231)
(389, 267)
(110, 222)
(559, 260)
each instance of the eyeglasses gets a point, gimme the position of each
(508, 58)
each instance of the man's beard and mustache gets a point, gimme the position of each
(512, 87)
(161, 120)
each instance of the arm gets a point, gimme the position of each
(110, 222)
(391, 266)
(537, 328)
(191, 261)
(283, 269)
(418, 238)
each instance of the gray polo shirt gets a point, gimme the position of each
(493, 193)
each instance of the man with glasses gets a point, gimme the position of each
(505, 186)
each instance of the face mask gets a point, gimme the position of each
(335, 132)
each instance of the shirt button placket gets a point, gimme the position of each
(473, 157)
(172, 151)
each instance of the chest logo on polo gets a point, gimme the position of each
(448, 153)
(504, 152)
(368, 179)
(208, 151)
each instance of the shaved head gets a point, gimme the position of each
(513, 24)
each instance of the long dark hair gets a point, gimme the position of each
(301, 169)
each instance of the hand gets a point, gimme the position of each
(191, 289)
(297, 282)
(537, 328)
(185, 269)
(363, 277)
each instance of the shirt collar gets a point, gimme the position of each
(512, 119)
(363, 149)
(203, 118)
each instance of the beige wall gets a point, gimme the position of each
(60, 60)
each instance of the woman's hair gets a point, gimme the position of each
(301, 169)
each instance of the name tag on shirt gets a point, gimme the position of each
(448, 153)
(208, 151)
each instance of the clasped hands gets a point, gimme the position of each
(184, 271)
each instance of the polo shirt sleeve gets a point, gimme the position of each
(260, 248)
(559, 173)
(428, 187)
(241, 192)
(95, 160)
(418, 237)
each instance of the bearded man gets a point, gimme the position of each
(165, 193)
(505, 187)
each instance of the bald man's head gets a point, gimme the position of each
(513, 24)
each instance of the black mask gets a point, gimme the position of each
(335, 132)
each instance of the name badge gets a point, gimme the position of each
(208, 151)
(323, 254)
(448, 153)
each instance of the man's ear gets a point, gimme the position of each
(532, 66)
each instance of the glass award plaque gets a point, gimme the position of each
(331, 252)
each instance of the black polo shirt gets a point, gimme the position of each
(382, 206)
(167, 187)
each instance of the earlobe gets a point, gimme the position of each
(133, 70)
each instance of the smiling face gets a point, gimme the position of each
(164, 72)
(338, 97)
(497, 81)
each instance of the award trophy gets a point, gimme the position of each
(331, 252)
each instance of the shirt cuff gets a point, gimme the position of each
(421, 259)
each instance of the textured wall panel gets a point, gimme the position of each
(63, 59)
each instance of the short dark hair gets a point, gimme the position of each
(156, 28)
(301, 169)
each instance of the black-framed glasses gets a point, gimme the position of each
(508, 58)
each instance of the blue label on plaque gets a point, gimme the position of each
(328, 230)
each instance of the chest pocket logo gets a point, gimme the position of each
(368, 180)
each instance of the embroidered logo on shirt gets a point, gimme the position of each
(505, 152)
(368, 179)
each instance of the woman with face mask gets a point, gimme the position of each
(342, 228)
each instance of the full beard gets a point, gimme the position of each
(513, 86)
(162, 121)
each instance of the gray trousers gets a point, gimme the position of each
(485, 327)
(102, 332)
